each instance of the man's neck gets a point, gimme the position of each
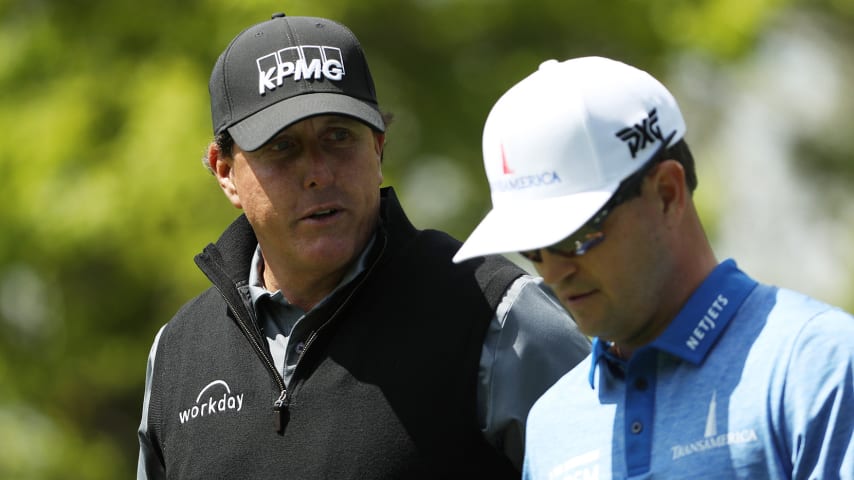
(304, 290)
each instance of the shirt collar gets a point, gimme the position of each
(697, 327)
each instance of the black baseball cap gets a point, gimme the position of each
(286, 69)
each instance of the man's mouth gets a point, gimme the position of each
(576, 297)
(324, 213)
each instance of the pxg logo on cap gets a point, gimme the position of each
(639, 135)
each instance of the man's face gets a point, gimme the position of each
(312, 192)
(614, 291)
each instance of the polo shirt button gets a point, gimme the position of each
(637, 427)
(300, 348)
(641, 384)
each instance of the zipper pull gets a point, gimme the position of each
(280, 412)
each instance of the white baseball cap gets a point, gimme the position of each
(557, 145)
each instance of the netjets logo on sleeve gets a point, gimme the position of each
(302, 62)
(214, 399)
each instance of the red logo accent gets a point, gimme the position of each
(504, 165)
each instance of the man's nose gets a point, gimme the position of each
(319, 171)
(555, 268)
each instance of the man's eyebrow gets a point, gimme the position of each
(280, 135)
(340, 119)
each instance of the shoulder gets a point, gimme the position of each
(200, 311)
(798, 303)
(807, 319)
(531, 312)
(206, 302)
(808, 342)
(811, 381)
(429, 255)
(783, 319)
(823, 329)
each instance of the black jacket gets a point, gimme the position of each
(364, 401)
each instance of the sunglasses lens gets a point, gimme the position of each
(585, 238)
(574, 244)
(532, 255)
(591, 240)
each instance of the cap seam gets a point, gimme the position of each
(365, 78)
(590, 145)
(225, 80)
(294, 39)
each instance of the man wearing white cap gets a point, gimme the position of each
(697, 370)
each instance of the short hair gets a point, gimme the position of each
(632, 185)
(225, 142)
(682, 154)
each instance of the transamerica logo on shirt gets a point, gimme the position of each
(213, 403)
(711, 439)
(302, 62)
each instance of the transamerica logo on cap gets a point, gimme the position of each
(525, 181)
(504, 167)
(637, 136)
(519, 182)
(303, 62)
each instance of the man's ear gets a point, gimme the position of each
(379, 148)
(379, 144)
(221, 165)
(670, 187)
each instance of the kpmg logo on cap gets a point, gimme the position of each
(510, 181)
(302, 62)
(639, 135)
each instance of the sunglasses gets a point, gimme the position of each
(590, 234)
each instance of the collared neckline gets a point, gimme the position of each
(257, 290)
(699, 324)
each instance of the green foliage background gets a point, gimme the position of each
(104, 118)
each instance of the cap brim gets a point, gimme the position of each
(529, 225)
(254, 131)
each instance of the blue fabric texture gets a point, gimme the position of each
(748, 381)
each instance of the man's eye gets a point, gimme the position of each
(282, 145)
(340, 134)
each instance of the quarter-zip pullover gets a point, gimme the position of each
(404, 408)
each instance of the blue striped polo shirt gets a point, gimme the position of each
(748, 381)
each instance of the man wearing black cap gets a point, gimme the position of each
(337, 340)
